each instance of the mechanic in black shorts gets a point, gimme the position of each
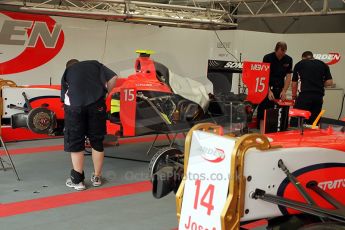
(84, 86)
(280, 79)
(313, 76)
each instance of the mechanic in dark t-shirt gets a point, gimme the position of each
(84, 86)
(280, 78)
(313, 76)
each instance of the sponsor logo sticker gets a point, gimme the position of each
(27, 41)
(329, 59)
(213, 155)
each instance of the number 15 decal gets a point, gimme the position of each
(129, 94)
(260, 84)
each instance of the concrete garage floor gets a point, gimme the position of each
(42, 201)
(34, 202)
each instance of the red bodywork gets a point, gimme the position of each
(144, 79)
(311, 138)
(54, 103)
(332, 171)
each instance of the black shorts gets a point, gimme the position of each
(85, 121)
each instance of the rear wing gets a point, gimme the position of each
(255, 76)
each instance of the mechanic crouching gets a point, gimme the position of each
(313, 75)
(84, 86)
(280, 79)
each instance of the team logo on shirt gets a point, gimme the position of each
(329, 59)
(27, 41)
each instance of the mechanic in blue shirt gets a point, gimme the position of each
(84, 86)
(280, 78)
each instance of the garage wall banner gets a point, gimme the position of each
(27, 41)
(329, 58)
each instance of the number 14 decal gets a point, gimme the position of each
(207, 194)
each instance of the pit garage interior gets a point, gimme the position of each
(190, 37)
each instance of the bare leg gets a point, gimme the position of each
(78, 161)
(97, 158)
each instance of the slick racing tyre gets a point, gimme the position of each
(164, 157)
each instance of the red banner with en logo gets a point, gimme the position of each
(255, 76)
(27, 41)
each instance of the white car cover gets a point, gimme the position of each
(189, 89)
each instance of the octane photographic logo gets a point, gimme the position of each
(329, 59)
(213, 155)
(27, 41)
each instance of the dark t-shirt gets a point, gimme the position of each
(278, 69)
(313, 74)
(84, 83)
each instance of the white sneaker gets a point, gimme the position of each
(96, 180)
(79, 187)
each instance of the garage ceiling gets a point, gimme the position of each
(199, 14)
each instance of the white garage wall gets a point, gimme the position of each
(184, 51)
(244, 45)
(84, 39)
